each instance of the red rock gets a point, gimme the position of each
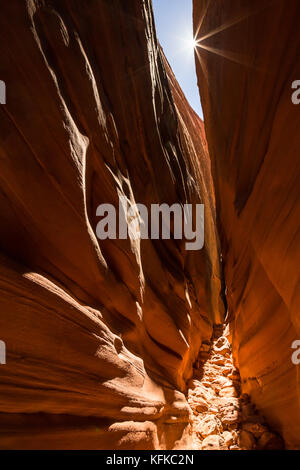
(246, 440)
(207, 426)
(270, 441)
(229, 416)
(256, 429)
(222, 346)
(246, 62)
(228, 438)
(219, 360)
(234, 375)
(101, 335)
(199, 405)
(213, 442)
(228, 392)
(227, 372)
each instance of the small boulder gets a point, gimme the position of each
(256, 429)
(229, 414)
(199, 405)
(222, 346)
(205, 347)
(228, 438)
(246, 440)
(228, 391)
(218, 360)
(270, 441)
(213, 442)
(227, 371)
(234, 375)
(207, 426)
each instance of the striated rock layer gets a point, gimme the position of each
(246, 63)
(101, 337)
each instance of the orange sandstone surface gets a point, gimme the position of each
(246, 63)
(101, 336)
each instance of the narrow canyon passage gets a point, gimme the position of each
(223, 418)
(100, 335)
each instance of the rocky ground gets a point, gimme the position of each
(223, 418)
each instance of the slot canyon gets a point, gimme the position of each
(139, 343)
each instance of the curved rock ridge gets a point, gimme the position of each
(101, 336)
(246, 63)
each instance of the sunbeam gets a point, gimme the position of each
(227, 54)
(233, 56)
(202, 18)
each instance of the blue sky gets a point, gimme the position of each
(173, 20)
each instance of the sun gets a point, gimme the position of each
(192, 43)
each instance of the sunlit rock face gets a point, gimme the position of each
(246, 63)
(101, 336)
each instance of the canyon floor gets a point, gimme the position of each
(223, 418)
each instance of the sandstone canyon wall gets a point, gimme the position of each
(246, 62)
(101, 336)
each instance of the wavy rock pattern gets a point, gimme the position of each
(246, 64)
(101, 336)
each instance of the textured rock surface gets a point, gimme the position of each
(101, 336)
(246, 63)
